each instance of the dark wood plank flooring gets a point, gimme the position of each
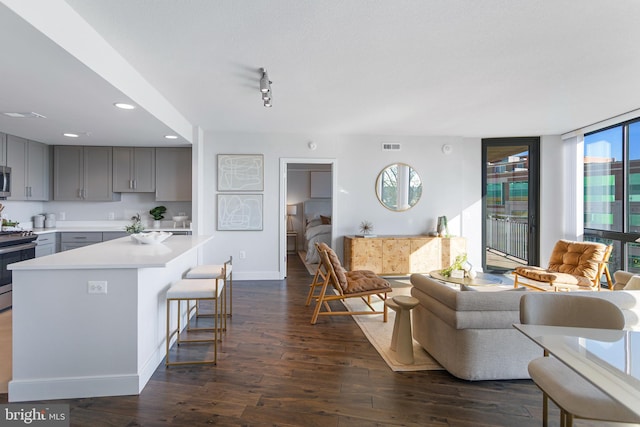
(276, 369)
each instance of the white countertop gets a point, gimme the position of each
(113, 254)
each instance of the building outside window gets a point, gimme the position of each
(612, 192)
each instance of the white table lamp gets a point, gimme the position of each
(292, 210)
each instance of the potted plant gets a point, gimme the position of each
(158, 215)
(135, 226)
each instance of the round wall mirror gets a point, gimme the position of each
(398, 187)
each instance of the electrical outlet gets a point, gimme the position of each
(96, 287)
(111, 215)
(243, 255)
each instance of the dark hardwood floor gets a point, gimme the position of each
(276, 369)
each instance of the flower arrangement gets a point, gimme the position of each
(458, 264)
(135, 226)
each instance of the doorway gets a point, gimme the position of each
(308, 188)
(510, 202)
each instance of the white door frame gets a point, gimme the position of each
(284, 162)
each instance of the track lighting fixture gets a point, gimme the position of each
(265, 87)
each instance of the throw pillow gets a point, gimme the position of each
(325, 219)
(633, 284)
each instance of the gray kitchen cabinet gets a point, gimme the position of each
(46, 244)
(29, 162)
(110, 235)
(82, 173)
(134, 169)
(73, 240)
(173, 174)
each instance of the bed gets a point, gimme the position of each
(317, 217)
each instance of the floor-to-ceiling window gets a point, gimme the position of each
(612, 192)
(510, 202)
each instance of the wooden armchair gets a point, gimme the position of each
(572, 266)
(336, 284)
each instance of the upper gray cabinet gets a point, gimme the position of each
(134, 169)
(29, 163)
(173, 174)
(82, 173)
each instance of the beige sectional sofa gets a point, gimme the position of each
(470, 333)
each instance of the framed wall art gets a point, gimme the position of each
(239, 212)
(240, 172)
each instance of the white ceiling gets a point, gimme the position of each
(478, 68)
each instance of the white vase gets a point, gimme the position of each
(157, 224)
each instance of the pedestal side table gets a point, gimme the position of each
(402, 340)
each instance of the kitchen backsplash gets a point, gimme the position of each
(129, 205)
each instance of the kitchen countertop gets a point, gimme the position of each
(115, 254)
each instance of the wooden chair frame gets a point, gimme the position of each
(326, 279)
(603, 268)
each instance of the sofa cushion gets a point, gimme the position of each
(633, 284)
(473, 289)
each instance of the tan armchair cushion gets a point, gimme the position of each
(571, 263)
(364, 280)
(541, 275)
(337, 267)
(577, 258)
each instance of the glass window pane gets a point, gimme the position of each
(634, 178)
(603, 180)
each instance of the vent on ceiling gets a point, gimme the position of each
(30, 115)
(390, 146)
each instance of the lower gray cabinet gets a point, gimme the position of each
(110, 235)
(73, 240)
(46, 244)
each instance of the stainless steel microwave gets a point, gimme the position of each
(5, 182)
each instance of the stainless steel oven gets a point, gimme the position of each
(5, 182)
(14, 247)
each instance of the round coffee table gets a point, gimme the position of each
(480, 279)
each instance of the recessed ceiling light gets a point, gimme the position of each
(171, 137)
(30, 115)
(124, 106)
(71, 135)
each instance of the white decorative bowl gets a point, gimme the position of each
(180, 218)
(152, 238)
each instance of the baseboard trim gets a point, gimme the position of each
(69, 388)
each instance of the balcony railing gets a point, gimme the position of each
(508, 235)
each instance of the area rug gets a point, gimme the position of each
(311, 268)
(379, 333)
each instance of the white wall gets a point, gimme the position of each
(452, 187)
(554, 196)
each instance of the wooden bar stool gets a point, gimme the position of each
(198, 290)
(217, 271)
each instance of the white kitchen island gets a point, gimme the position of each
(68, 342)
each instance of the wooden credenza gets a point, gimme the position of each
(401, 255)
